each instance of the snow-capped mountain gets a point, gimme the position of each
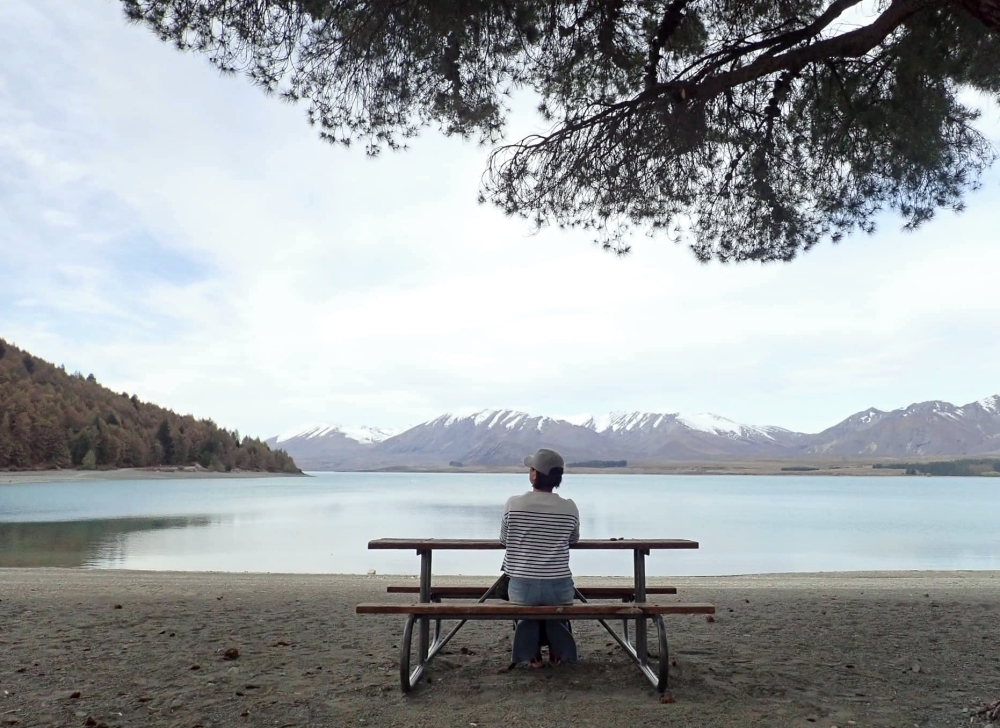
(323, 447)
(496, 437)
(932, 428)
(361, 434)
(680, 436)
(623, 423)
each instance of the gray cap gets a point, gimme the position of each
(544, 460)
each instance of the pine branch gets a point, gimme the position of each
(668, 26)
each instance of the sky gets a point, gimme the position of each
(184, 237)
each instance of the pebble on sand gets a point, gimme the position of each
(231, 654)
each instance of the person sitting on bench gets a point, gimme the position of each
(536, 531)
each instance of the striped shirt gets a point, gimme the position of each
(536, 530)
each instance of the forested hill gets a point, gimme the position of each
(51, 419)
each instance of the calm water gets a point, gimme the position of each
(322, 524)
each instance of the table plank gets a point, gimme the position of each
(473, 591)
(468, 544)
(507, 611)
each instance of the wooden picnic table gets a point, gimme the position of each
(475, 544)
(640, 548)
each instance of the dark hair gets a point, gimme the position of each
(548, 482)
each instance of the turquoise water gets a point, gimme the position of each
(322, 524)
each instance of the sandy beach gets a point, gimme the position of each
(880, 649)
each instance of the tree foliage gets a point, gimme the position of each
(51, 419)
(750, 129)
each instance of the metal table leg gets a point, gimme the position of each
(440, 642)
(425, 597)
(408, 680)
(640, 597)
(657, 677)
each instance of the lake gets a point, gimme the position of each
(322, 524)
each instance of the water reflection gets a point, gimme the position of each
(323, 524)
(80, 543)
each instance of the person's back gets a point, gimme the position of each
(537, 529)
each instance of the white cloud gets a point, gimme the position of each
(184, 237)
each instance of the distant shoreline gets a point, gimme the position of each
(835, 468)
(681, 468)
(743, 468)
(158, 473)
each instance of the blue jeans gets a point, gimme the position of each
(540, 592)
(528, 634)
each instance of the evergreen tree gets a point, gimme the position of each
(81, 445)
(109, 448)
(6, 442)
(49, 418)
(750, 130)
(51, 445)
(166, 441)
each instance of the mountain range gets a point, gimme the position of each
(494, 438)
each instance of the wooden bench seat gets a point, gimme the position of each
(514, 611)
(471, 591)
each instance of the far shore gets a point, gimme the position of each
(726, 467)
(839, 468)
(158, 473)
(747, 468)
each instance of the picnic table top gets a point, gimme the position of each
(434, 544)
